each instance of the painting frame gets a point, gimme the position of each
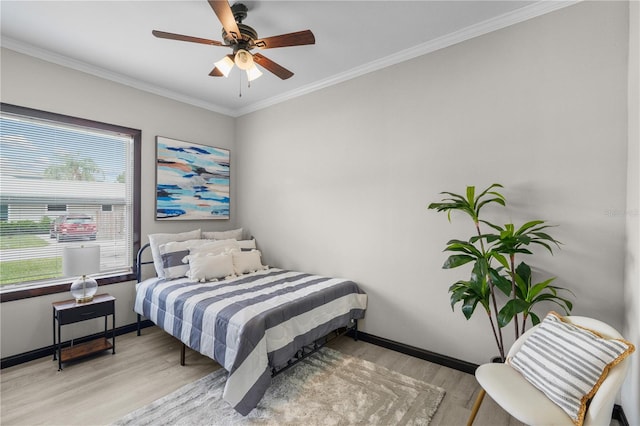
(192, 181)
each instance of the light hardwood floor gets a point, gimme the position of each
(103, 388)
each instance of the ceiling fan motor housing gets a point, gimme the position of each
(247, 35)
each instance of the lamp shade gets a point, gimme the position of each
(83, 260)
(80, 260)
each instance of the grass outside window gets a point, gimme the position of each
(14, 271)
(21, 241)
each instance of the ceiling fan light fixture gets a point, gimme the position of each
(253, 73)
(225, 65)
(244, 59)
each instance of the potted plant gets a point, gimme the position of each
(504, 288)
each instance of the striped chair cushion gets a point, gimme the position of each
(568, 363)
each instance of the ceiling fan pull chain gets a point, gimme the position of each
(240, 85)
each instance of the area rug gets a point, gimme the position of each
(328, 388)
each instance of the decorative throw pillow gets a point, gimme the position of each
(172, 254)
(247, 261)
(207, 267)
(568, 363)
(155, 240)
(234, 234)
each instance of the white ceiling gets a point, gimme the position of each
(112, 39)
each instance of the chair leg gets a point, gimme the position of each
(476, 407)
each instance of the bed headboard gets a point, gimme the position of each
(140, 261)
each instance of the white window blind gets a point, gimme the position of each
(55, 179)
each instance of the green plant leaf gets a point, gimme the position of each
(456, 260)
(470, 204)
(464, 247)
(500, 281)
(509, 310)
(501, 259)
(535, 320)
(471, 192)
(491, 200)
(528, 225)
(469, 307)
(524, 271)
(458, 292)
(537, 288)
(491, 225)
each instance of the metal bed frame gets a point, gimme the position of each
(301, 354)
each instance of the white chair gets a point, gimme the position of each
(509, 389)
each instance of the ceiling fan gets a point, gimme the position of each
(242, 39)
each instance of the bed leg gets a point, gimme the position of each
(138, 324)
(355, 330)
(182, 354)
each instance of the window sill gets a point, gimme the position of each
(27, 293)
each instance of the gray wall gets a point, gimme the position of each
(337, 182)
(26, 81)
(631, 390)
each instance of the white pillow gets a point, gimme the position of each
(234, 234)
(207, 267)
(247, 245)
(215, 247)
(173, 253)
(155, 240)
(247, 261)
(568, 363)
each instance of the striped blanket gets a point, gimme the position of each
(252, 323)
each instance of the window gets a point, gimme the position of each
(56, 207)
(65, 181)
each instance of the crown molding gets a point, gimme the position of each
(67, 62)
(511, 18)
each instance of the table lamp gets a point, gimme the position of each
(82, 261)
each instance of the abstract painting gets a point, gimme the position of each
(192, 181)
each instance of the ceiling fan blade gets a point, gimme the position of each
(271, 66)
(172, 36)
(223, 11)
(298, 38)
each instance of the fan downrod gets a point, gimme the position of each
(239, 11)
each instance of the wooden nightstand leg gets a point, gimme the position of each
(53, 332)
(59, 347)
(113, 332)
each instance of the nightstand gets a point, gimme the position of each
(69, 312)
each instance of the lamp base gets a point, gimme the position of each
(84, 299)
(83, 289)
